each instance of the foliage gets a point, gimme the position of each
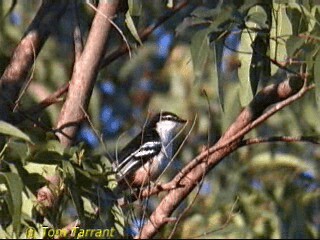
(227, 51)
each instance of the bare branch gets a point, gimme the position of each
(84, 74)
(16, 74)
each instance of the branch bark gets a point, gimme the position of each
(84, 74)
(16, 74)
(192, 174)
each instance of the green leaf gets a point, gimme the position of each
(299, 17)
(218, 80)
(119, 219)
(46, 157)
(293, 44)
(200, 50)
(8, 129)
(267, 161)
(170, 4)
(135, 7)
(130, 24)
(205, 13)
(232, 106)
(245, 49)
(281, 26)
(76, 199)
(68, 170)
(257, 18)
(317, 78)
(14, 202)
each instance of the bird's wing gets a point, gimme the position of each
(143, 147)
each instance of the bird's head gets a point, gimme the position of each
(165, 122)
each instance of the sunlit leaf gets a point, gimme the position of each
(135, 7)
(281, 26)
(200, 50)
(119, 222)
(317, 79)
(130, 24)
(245, 49)
(14, 184)
(68, 170)
(257, 18)
(293, 44)
(298, 15)
(268, 162)
(8, 129)
(205, 13)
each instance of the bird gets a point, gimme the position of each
(143, 159)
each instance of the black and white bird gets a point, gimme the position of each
(146, 156)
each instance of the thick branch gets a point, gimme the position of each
(16, 74)
(192, 174)
(84, 74)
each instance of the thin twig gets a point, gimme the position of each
(230, 216)
(114, 25)
(144, 34)
(187, 208)
(26, 85)
(37, 109)
(310, 139)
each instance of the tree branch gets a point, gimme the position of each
(23, 57)
(310, 139)
(283, 94)
(33, 111)
(144, 34)
(84, 74)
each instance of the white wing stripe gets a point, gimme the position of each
(148, 148)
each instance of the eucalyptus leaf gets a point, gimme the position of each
(15, 186)
(46, 157)
(76, 199)
(200, 49)
(8, 129)
(130, 24)
(293, 44)
(316, 70)
(135, 7)
(257, 18)
(246, 53)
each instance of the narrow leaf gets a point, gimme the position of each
(8, 129)
(317, 78)
(130, 24)
(135, 7)
(14, 185)
(200, 50)
(245, 49)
